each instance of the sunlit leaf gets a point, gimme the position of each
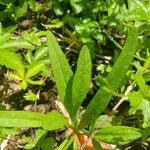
(34, 68)
(20, 119)
(81, 80)
(114, 79)
(118, 134)
(60, 66)
(13, 61)
(17, 44)
(40, 53)
(53, 121)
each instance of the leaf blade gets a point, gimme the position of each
(118, 134)
(53, 121)
(60, 66)
(34, 68)
(81, 79)
(114, 78)
(20, 119)
(12, 60)
(17, 44)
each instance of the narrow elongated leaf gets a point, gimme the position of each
(145, 105)
(81, 79)
(96, 145)
(29, 56)
(118, 134)
(141, 83)
(4, 38)
(24, 119)
(21, 119)
(114, 79)
(17, 44)
(38, 82)
(12, 61)
(60, 66)
(40, 52)
(34, 68)
(53, 121)
(65, 142)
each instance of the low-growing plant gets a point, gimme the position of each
(112, 69)
(24, 70)
(85, 131)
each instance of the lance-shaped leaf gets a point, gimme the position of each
(34, 68)
(17, 44)
(53, 121)
(114, 79)
(40, 53)
(12, 60)
(21, 119)
(118, 134)
(24, 119)
(81, 79)
(60, 66)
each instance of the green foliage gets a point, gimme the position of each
(139, 100)
(118, 134)
(80, 82)
(24, 119)
(61, 69)
(114, 34)
(15, 9)
(34, 68)
(77, 89)
(138, 11)
(114, 79)
(12, 61)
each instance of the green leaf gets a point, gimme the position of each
(114, 79)
(38, 82)
(13, 61)
(77, 5)
(21, 119)
(46, 143)
(32, 4)
(138, 102)
(30, 96)
(137, 11)
(24, 84)
(4, 38)
(96, 145)
(60, 66)
(28, 56)
(57, 8)
(15, 76)
(118, 134)
(24, 119)
(6, 1)
(33, 37)
(40, 53)
(53, 121)
(81, 80)
(21, 9)
(145, 105)
(141, 83)
(65, 144)
(34, 68)
(17, 44)
(135, 99)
